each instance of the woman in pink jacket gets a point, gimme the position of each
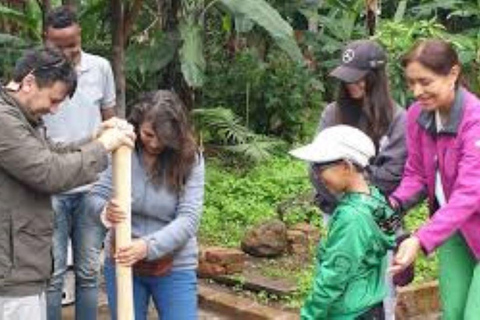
(443, 142)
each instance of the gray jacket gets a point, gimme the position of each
(31, 170)
(385, 171)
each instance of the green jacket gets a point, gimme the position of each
(351, 259)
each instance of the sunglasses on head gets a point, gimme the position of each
(56, 63)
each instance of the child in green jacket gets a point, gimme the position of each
(351, 259)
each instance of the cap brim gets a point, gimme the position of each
(347, 74)
(311, 154)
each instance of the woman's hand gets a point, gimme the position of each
(128, 255)
(406, 254)
(114, 214)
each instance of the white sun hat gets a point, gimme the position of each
(337, 143)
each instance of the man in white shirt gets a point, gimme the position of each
(93, 102)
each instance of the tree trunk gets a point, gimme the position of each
(371, 15)
(45, 7)
(75, 4)
(118, 45)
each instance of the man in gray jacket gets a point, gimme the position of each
(31, 169)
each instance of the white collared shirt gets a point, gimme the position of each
(439, 191)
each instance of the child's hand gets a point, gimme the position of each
(406, 254)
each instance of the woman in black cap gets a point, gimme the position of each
(364, 101)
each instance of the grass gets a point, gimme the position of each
(238, 198)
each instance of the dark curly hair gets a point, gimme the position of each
(48, 65)
(166, 112)
(61, 17)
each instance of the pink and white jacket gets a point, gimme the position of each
(455, 151)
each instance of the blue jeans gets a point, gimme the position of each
(174, 295)
(73, 220)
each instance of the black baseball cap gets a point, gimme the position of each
(358, 58)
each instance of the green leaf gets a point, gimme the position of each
(28, 20)
(400, 12)
(260, 12)
(191, 54)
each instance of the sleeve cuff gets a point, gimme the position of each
(426, 248)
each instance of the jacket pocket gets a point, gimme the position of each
(6, 247)
(33, 254)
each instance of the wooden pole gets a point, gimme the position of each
(122, 184)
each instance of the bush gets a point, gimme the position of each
(236, 199)
(272, 94)
(426, 269)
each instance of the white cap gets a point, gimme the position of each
(337, 143)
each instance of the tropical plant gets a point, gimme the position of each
(274, 95)
(248, 11)
(220, 130)
(397, 38)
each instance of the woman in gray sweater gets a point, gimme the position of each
(167, 200)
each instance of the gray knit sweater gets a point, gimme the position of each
(166, 220)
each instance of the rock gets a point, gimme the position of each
(215, 261)
(297, 242)
(311, 232)
(269, 239)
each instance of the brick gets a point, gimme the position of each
(207, 269)
(224, 255)
(418, 300)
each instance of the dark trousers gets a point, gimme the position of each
(375, 313)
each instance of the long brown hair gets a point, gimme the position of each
(377, 105)
(170, 122)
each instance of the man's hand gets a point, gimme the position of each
(406, 254)
(105, 125)
(113, 138)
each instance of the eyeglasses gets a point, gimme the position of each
(318, 168)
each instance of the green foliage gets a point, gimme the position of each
(260, 12)
(220, 130)
(11, 48)
(426, 269)
(274, 95)
(146, 57)
(249, 11)
(29, 20)
(236, 199)
(397, 38)
(191, 54)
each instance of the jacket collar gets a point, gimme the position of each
(426, 119)
(34, 121)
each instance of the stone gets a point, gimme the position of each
(220, 261)
(268, 239)
(259, 283)
(311, 232)
(419, 300)
(297, 242)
